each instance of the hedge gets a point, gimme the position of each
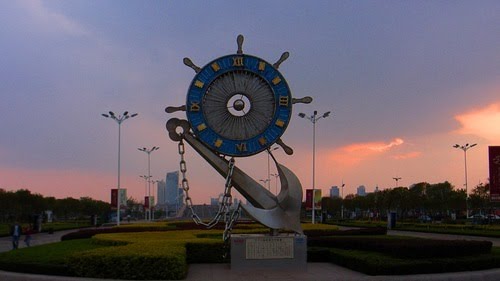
(407, 247)
(380, 264)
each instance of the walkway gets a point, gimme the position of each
(315, 271)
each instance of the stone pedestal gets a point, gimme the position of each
(255, 251)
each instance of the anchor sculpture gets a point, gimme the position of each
(237, 106)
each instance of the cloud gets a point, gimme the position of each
(372, 146)
(53, 21)
(355, 153)
(413, 154)
(483, 122)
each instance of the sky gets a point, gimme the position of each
(404, 80)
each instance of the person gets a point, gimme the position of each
(27, 239)
(15, 232)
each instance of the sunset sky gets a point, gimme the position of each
(405, 81)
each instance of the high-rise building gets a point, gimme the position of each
(161, 192)
(361, 190)
(172, 188)
(334, 191)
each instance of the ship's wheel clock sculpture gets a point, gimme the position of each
(239, 105)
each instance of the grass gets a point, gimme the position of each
(45, 259)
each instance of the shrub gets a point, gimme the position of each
(318, 254)
(406, 247)
(206, 252)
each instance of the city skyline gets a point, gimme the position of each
(405, 81)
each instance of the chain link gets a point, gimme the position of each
(224, 207)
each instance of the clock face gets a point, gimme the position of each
(238, 105)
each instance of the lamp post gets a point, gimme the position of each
(342, 206)
(276, 176)
(146, 178)
(148, 151)
(314, 119)
(119, 120)
(396, 179)
(269, 168)
(465, 148)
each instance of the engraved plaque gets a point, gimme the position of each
(269, 248)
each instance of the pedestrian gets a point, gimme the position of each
(28, 232)
(15, 232)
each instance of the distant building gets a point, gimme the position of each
(172, 188)
(214, 201)
(334, 192)
(161, 193)
(361, 191)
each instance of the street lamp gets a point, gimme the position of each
(269, 168)
(146, 178)
(148, 151)
(342, 206)
(276, 176)
(118, 120)
(314, 119)
(396, 179)
(465, 148)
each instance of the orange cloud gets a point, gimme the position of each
(482, 122)
(354, 153)
(372, 146)
(408, 155)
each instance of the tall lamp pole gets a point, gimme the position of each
(146, 178)
(342, 206)
(465, 148)
(119, 119)
(314, 119)
(148, 151)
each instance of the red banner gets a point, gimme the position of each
(317, 199)
(146, 202)
(494, 157)
(114, 198)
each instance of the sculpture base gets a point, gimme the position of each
(255, 251)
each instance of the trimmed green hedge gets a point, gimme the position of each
(407, 247)
(381, 264)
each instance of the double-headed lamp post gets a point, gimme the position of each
(465, 148)
(148, 151)
(119, 119)
(146, 178)
(314, 119)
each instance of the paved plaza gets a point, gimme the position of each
(315, 271)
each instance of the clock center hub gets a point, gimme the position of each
(239, 105)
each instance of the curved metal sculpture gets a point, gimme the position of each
(239, 105)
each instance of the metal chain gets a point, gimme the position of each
(224, 207)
